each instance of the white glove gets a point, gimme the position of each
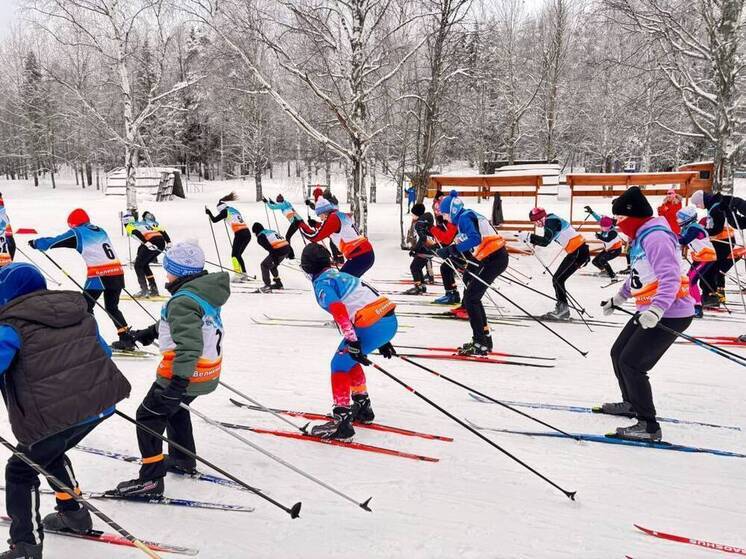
(609, 305)
(524, 236)
(650, 317)
(151, 246)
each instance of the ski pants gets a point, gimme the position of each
(697, 274)
(145, 257)
(22, 481)
(449, 276)
(347, 374)
(178, 427)
(294, 226)
(634, 353)
(569, 265)
(602, 259)
(359, 264)
(240, 241)
(111, 304)
(271, 262)
(488, 270)
(418, 264)
(715, 277)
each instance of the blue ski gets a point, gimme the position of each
(582, 409)
(613, 439)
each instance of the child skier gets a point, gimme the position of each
(367, 321)
(153, 240)
(191, 341)
(661, 293)
(7, 242)
(478, 241)
(290, 214)
(59, 383)
(105, 273)
(278, 249)
(241, 233)
(703, 253)
(612, 246)
(421, 248)
(564, 234)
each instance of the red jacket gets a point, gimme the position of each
(668, 211)
(444, 236)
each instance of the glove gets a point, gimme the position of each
(387, 350)
(264, 200)
(32, 243)
(313, 223)
(609, 305)
(309, 204)
(168, 246)
(207, 211)
(445, 252)
(524, 237)
(356, 352)
(146, 336)
(588, 210)
(165, 401)
(650, 318)
(412, 253)
(151, 246)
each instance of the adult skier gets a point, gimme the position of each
(290, 214)
(420, 251)
(105, 275)
(153, 240)
(661, 294)
(278, 249)
(191, 338)
(577, 254)
(669, 209)
(241, 233)
(478, 241)
(58, 383)
(703, 254)
(367, 322)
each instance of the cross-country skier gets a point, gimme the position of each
(191, 341)
(669, 209)
(612, 244)
(694, 236)
(661, 293)
(444, 233)
(317, 193)
(59, 383)
(337, 226)
(105, 274)
(241, 233)
(290, 214)
(478, 241)
(153, 240)
(564, 234)
(420, 251)
(411, 193)
(7, 242)
(367, 321)
(278, 249)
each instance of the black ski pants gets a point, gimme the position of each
(634, 353)
(488, 270)
(418, 264)
(294, 226)
(602, 259)
(271, 262)
(240, 241)
(449, 276)
(569, 265)
(145, 257)
(112, 292)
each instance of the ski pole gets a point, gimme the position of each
(50, 278)
(294, 511)
(490, 398)
(569, 494)
(559, 253)
(264, 408)
(82, 501)
(363, 505)
(710, 347)
(517, 271)
(219, 267)
(214, 239)
(524, 311)
(511, 280)
(707, 284)
(266, 214)
(139, 304)
(735, 267)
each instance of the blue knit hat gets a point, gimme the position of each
(19, 279)
(324, 206)
(184, 259)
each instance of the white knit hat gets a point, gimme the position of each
(698, 198)
(184, 259)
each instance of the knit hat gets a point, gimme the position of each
(418, 209)
(324, 206)
(606, 223)
(698, 198)
(318, 192)
(537, 214)
(280, 198)
(632, 204)
(257, 228)
(18, 279)
(184, 259)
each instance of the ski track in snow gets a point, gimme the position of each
(474, 503)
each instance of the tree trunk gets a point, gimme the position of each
(258, 183)
(373, 185)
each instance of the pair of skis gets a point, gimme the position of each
(494, 357)
(719, 340)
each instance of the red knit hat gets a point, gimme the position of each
(78, 217)
(537, 214)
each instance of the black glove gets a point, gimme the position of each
(445, 252)
(412, 253)
(165, 401)
(264, 200)
(440, 221)
(312, 222)
(32, 243)
(310, 204)
(208, 212)
(146, 336)
(588, 210)
(387, 350)
(356, 352)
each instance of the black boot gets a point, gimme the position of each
(126, 342)
(362, 411)
(140, 488)
(180, 467)
(640, 431)
(78, 521)
(474, 347)
(152, 288)
(22, 550)
(277, 284)
(340, 427)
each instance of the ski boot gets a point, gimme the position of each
(640, 431)
(618, 408)
(77, 521)
(460, 313)
(239, 277)
(291, 254)
(140, 488)
(142, 294)
(180, 467)
(721, 295)
(698, 311)
(362, 411)
(430, 280)
(742, 338)
(451, 297)
(264, 289)
(277, 284)
(416, 289)
(474, 348)
(23, 550)
(126, 342)
(560, 312)
(152, 288)
(711, 300)
(339, 428)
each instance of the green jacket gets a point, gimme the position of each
(185, 318)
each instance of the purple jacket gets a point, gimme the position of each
(662, 251)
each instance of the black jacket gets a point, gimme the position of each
(61, 375)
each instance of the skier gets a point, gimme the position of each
(436, 203)
(318, 192)
(153, 240)
(669, 210)
(477, 240)
(367, 321)
(290, 214)
(241, 233)
(612, 245)
(337, 226)
(444, 234)
(7, 242)
(703, 253)
(105, 273)
(411, 197)
(564, 234)
(661, 293)
(278, 249)
(420, 252)
(59, 383)
(191, 341)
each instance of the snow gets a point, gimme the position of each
(475, 502)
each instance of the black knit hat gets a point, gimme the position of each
(257, 228)
(632, 204)
(418, 209)
(315, 258)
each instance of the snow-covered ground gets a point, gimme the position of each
(473, 503)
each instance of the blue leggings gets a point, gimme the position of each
(371, 338)
(358, 265)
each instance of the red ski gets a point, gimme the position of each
(720, 340)
(473, 359)
(455, 350)
(693, 541)
(332, 442)
(373, 426)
